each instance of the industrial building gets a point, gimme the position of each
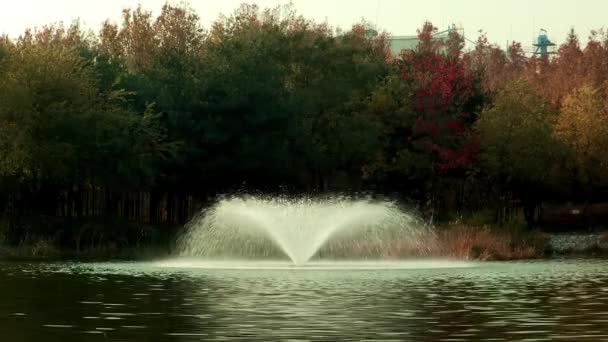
(541, 46)
(400, 43)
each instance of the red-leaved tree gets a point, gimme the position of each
(442, 90)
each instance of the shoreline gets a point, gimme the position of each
(551, 245)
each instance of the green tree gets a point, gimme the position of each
(518, 147)
(43, 99)
(281, 99)
(59, 133)
(395, 162)
(334, 133)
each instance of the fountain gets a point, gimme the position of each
(254, 228)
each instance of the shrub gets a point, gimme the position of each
(486, 243)
(44, 248)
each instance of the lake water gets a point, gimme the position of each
(524, 301)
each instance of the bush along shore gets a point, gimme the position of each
(491, 243)
(89, 241)
(103, 241)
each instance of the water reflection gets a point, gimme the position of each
(537, 301)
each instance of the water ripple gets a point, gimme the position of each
(490, 302)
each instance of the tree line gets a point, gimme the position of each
(150, 118)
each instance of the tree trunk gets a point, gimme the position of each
(530, 213)
(154, 207)
(15, 232)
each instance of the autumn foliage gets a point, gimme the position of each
(441, 92)
(151, 117)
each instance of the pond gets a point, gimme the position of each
(525, 301)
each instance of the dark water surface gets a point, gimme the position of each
(519, 301)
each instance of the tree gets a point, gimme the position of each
(60, 134)
(282, 98)
(442, 93)
(517, 144)
(493, 66)
(396, 161)
(454, 44)
(333, 132)
(46, 91)
(426, 43)
(425, 110)
(583, 127)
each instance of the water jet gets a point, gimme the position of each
(257, 228)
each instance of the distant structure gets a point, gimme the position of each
(543, 45)
(400, 43)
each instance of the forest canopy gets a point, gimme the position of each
(148, 118)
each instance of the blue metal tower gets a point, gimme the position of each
(543, 43)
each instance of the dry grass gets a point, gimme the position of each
(40, 249)
(389, 248)
(44, 248)
(486, 243)
(461, 241)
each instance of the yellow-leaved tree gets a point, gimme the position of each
(583, 127)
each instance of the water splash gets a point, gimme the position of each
(255, 227)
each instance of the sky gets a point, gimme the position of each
(503, 21)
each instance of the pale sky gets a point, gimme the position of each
(503, 21)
